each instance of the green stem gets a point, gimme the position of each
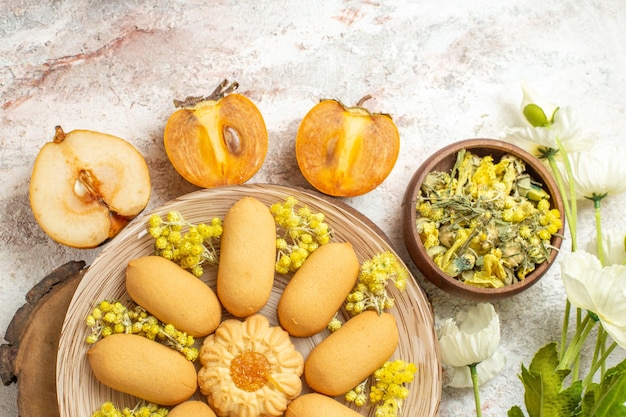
(601, 336)
(576, 367)
(599, 363)
(573, 350)
(571, 223)
(567, 203)
(474, 375)
(572, 194)
(603, 350)
(568, 308)
(600, 349)
(596, 351)
(598, 216)
(603, 363)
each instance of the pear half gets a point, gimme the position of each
(86, 186)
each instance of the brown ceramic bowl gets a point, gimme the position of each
(444, 160)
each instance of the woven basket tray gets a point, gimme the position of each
(80, 394)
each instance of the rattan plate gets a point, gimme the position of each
(80, 394)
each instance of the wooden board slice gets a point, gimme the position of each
(29, 356)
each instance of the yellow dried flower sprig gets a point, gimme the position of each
(142, 409)
(300, 231)
(191, 248)
(112, 317)
(388, 390)
(370, 291)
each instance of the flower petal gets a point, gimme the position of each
(529, 96)
(562, 128)
(460, 377)
(575, 267)
(609, 294)
(599, 171)
(613, 245)
(474, 340)
(600, 290)
(618, 333)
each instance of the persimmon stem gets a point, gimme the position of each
(224, 88)
(363, 100)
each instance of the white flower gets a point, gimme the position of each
(460, 377)
(600, 170)
(613, 245)
(529, 96)
(601, 290)
(563, 127)
(533, 139)
(473, 340)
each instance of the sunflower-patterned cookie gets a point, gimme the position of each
(249, 369)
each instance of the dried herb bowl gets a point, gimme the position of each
(443, 161)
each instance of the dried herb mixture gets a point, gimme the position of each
(487, 224)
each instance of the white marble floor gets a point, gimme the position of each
(444, 70)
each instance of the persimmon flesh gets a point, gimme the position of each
(346, 151)
(217, 141)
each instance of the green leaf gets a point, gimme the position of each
(515, 411)
(543, 383)
(607, 398)
(570, 399)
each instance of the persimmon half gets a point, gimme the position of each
(216, 140)
(346, 151)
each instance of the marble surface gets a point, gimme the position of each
(444, 70)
